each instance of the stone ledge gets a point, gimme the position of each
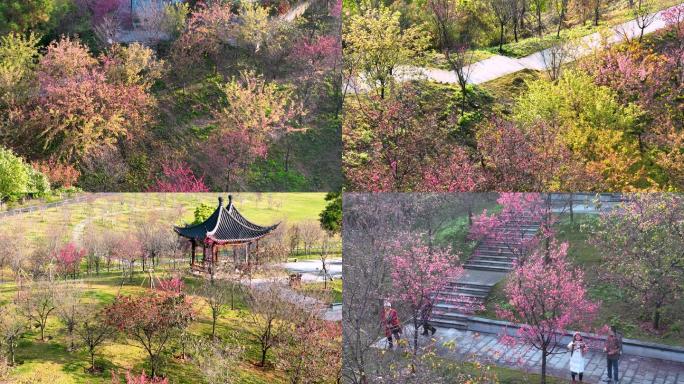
(629, 346)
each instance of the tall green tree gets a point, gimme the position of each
(22, 15)
(375, 45)
(331, 216)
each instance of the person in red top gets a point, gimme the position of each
(390, 320)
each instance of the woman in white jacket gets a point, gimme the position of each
(577, 349)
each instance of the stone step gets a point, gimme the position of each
(493, 257)
(457, 283)
(452, 308)
(450, 315)
(487, 268)
(462, 301)
(493, 263)
(462, 293)
(455, 287)
(446, 323)
(518, 228)
(502, 245)
(497, 247)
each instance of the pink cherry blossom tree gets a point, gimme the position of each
(530, 158)
(315, 58)
(418, 273)
(178, 177)
(457, 174)
(511, 226)
(69, 259)
(546, 295)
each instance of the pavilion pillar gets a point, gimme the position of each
(257, 251)
(193, 244)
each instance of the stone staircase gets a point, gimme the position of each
(459, 299)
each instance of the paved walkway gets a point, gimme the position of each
(332, 313)
(487, 348)
(498, 66)
(312, 270)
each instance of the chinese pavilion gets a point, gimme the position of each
(225, 227)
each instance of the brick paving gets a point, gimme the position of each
(487, 348)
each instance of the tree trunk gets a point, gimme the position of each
(92, 362)
(539, 22)
(11, 352)
(656, 317)
(263, 357)
(515, 31)
(597, 10)
(561, 17)
(501, 37)
(463, 99)
(543, 372)
(213, 324)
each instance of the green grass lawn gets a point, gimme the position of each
(119, 212)
(434, 59)
(329, 295)
(50, 361)
(512, 376)
(614, 309)
(506, 89)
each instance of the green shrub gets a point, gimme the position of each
(202, 212)
(270, 175)
(38, 184)
(14, 177)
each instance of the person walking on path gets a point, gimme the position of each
(425, 314)
(613, 350)
(577, 349)
(390, 320)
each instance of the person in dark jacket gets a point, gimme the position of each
(425, 314)
(613, 350)
(390, 320)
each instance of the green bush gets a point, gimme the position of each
(270, 175)
(202, 212)
(14, 177)
(38, 184)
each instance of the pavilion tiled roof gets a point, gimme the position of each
(225, 225)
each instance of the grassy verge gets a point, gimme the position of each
(435, 59)
(331, 294)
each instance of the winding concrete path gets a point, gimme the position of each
(312, 270)
(331, 313)
(498, 66)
